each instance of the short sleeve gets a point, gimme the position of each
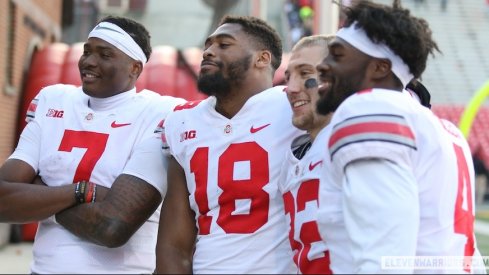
(363, 129)
(148, 163)
(29, 145)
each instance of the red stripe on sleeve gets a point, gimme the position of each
(371, 127)
(32, 107)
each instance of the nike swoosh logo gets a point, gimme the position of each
(312, 166)
(117, 125)
(254, 130)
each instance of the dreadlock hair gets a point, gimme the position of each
(265, 36)
(136, 30)
(407, 36)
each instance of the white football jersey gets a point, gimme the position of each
(232, 168)
(413, 198)
(299, 186)
(66, 141)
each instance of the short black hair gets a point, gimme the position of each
(407, 36)
(135, 29)
(266, 36)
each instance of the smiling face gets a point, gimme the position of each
(105, 70)
(227, 58)
(344, 71)
(301, 67)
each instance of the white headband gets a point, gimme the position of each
(357, 37)
(120, 39)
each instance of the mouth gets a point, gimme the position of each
(88, 76)
(324, 87)
(299, 103)
(207, 65)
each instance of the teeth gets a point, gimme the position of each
(90, 76)
(299, 103)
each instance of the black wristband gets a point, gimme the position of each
(80, 189)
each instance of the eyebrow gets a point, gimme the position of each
(219, 36)
(103, 48)
(303, 66)
(299, 67)
(98, 47)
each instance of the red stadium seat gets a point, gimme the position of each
(46, 68)
(70, 73)
(478, 136)
(188, 69)
(161, 70)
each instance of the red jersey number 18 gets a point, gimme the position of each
(233, 189)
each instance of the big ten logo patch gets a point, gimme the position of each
(55, 113)
(188, 135)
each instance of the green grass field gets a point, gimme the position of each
(482, 215)
(482, 239)
(483, 244)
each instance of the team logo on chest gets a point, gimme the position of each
(228, 129)
(89, 117)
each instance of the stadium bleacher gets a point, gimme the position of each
(455, 75)
(462, 34)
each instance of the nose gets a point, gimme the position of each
(322, 69)
(208, 52)
(88, 60)
(294, 85)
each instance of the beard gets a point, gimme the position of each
(339, 91)
(212, 84)
(217, 84)
(332, 99)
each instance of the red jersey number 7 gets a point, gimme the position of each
(94, 143)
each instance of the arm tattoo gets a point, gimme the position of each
(111, 222)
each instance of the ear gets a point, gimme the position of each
(136, 69)
(264, 59)
(380, 68)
